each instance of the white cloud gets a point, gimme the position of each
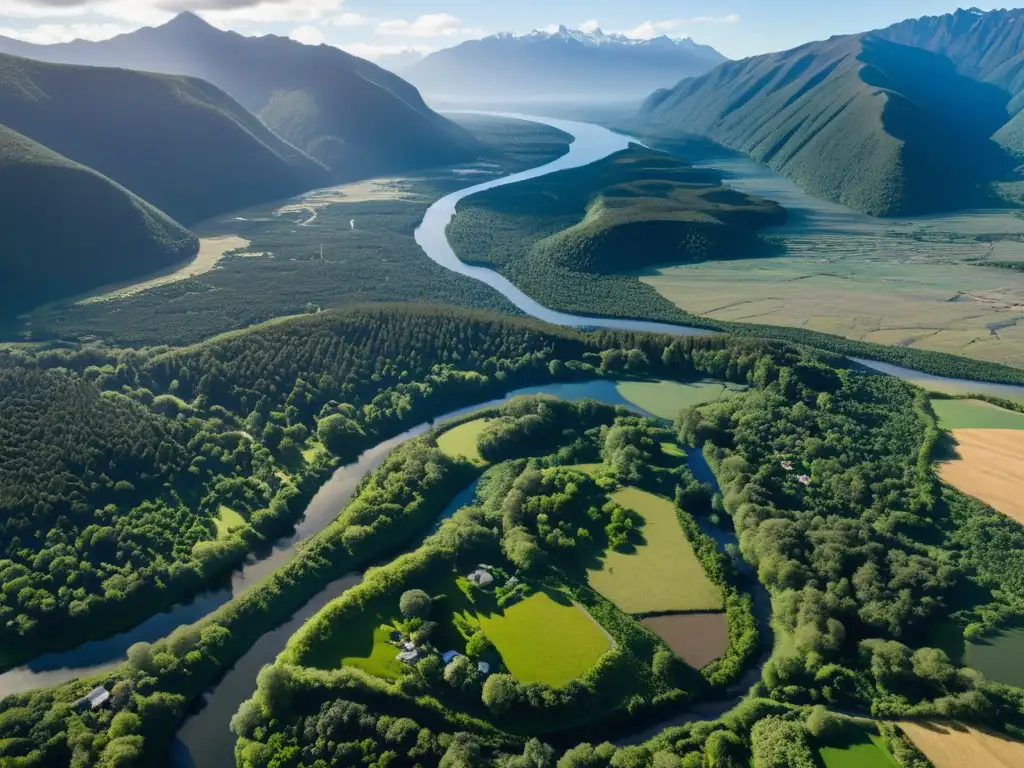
(591, 25)
(651, 29)
(46, 34)
(308, 35)
(427, 25)
(218, 12)
(350, 20)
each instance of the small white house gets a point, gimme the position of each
(805, 479)
(481, 578)
(96, 698)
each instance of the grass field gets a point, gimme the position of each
(975, 414)
(867, 750)
(989, 467)
(546, 639)
(1000, 657)
(461, 441)
(662, 574)
(952, 745)
(666, 399)
(227, 518)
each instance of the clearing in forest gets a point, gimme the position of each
(461, 441)
(662, 574)
(954, 745)
(865, 749)
(227, 519)
(666, 399)
(989, 467)
(696, 638)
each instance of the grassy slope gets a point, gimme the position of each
(633, 209)
(662, 574)
(880, 127)
(179, 143)
(462, 441)
(68, 228)
(867, 750)
(357, 118)
(666, 399)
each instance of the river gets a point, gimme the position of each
(205, 740)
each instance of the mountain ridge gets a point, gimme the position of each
(563, 64)
(865, 120)
(302, 93)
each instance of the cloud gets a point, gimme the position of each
(308, 35)
(46, 34)
(427, 25)
(350, 20)
(589, 26)
(219, 12)
(651, 29)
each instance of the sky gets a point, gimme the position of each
(376, 28)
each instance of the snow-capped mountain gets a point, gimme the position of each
(566, 63)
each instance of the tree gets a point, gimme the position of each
(500, 693)
(461, 673)
(723, 749)
(463, 752)
(478, 645)
(415, 603)
(823, 725)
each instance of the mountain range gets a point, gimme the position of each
(103, 165)
(917, 118)
(566, 64)
(348, 114)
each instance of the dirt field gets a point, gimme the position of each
(952, 745)
(211, 251)
(697, 638)
(360, 192)
(990, 467)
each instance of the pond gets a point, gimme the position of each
(696, 638)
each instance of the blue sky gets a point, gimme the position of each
(377, 27)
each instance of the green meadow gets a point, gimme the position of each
(666, 399)
(975, 414)
(867, 750)
(662, 573)
(227, 519)
(461, 441)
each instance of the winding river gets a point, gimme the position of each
(205, 740)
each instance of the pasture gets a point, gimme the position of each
(975, 414)
(665, 399)
(662, 574)
(696, 638)
(364, 644)
(953, 745)
(227, 519)
(865, 749)
(461, 441)
(989, 467)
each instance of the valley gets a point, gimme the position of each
(493, 439)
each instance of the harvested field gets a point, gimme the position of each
(953, 745)
(696, 638)
(990, 467)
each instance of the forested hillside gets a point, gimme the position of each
(67, 228)
(345, 112)
(880, 127)
(179, 143)
(631, 210)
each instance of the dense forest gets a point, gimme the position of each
(862, 561)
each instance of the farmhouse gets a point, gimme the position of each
(787, 465)
(408, 657)
(481, 578)
(95, 699)
(805, 479)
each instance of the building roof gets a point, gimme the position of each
(447, 656)
(95, 698)
(805, 479)
(409, 646)
(481, 577)
(483, 668)
(408, 656)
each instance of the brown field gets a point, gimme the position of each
(697, 638)
(990, 467)
(953, 745)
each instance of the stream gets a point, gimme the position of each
(204, 740)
